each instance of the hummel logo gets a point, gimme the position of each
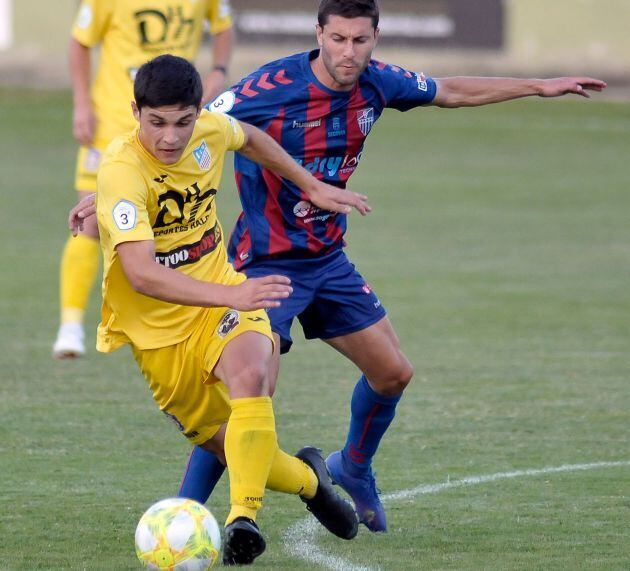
(255, 318)
(161, 178)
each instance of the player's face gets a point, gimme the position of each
(346, 46)
(165, 131)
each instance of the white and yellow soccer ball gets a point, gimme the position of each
(178, 534)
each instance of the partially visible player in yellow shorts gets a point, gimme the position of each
(197, 328)
(129, 32)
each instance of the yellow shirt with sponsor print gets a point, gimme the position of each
(140, 198)
(131, 32)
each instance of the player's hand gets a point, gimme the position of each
(82, 210)
(559, 86)
(334, 199)
(84, 123)
(259, 293)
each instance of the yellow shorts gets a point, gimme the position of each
(181, 376)
(88, 161)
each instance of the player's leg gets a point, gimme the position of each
(250, 435)
(386, 372)
(347, 314)
(252, 454)
(79, 266)
(204, 469)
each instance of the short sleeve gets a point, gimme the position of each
(219, 15)
(232, 131)
(91, 21)
(121, 204)
(402, 89)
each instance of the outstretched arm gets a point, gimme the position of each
(264, 150)
(149, 278)
(474, 91)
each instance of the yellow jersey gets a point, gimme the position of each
(140, 198)
(132, 32)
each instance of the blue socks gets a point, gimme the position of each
(370, 416)
(202, 474)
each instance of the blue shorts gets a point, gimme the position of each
(330, 298)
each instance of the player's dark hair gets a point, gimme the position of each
(167, 80)
(348, 9)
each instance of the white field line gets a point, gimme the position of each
(299, 539)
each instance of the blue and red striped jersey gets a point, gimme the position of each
(324, 131)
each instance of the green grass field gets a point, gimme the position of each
(500, 244)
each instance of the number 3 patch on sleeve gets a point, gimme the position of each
(124, 214)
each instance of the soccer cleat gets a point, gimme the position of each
(332, 511)
(362, 489)
(243, 542)
(69, 343)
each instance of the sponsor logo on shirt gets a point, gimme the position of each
(365, 118)
(336, 129)
(229, 321)
(309, 212)
(202, 156)
(191, 253)
(306, 124)
(330, 166)
(188, 209)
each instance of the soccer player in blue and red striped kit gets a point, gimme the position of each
(320, 106)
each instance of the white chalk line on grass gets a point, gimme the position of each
(299, 539)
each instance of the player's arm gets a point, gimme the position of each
(84, 120)
(474, 91)
(261, 148)
(149, 278)
(214, 82)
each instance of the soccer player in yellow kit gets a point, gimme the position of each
(129, 32)
(197, 328)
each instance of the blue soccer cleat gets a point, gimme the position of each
(362, 489)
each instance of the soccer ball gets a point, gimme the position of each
(178, 534)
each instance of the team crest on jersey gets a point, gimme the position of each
(365, 118)
(229, 321)
(202, 156)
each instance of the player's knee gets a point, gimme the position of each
(403, 375)
(395, 378)
(250, 381)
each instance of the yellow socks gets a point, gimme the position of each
(79, 265)
(290, 475)
(250, 448)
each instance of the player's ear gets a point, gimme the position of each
(135, 111)
(319, 31)
(377, 31)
